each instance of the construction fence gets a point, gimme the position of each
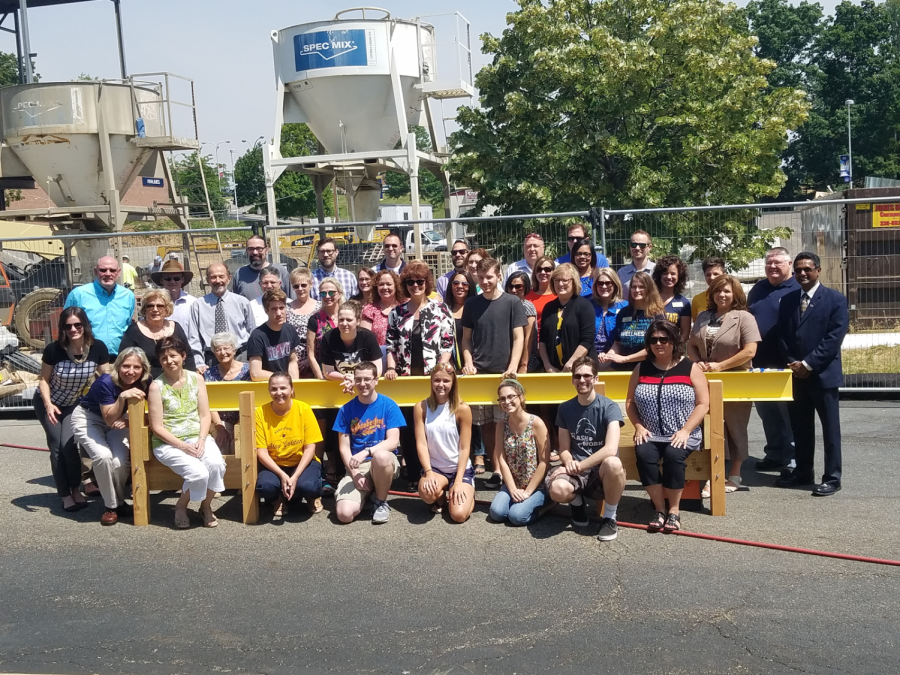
(857, 239)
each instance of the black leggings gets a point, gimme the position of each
(648, 455)
(408, 446)
(65, 462)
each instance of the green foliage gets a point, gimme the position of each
(431, 189)
(624, 103)
(294, 192)
(188, 182)
(853, 55)
(84, 77)
(9, 71)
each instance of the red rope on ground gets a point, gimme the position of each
(634, 526)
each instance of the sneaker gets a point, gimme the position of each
(579, 512)
(608, 529)
(382, 511)
(494, 482)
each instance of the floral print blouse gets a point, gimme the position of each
(437, 334)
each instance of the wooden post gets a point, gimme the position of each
(140, 455)
(248, 457)
(717, 447)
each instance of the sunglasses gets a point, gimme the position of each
(603, 284)
(107, 270)
(533, 235)
(638, 244)
(662, 340)
(179, 278)
(582, 376)
(574, 238)
(461, 284)
(299, 286)
(155, 306)
(460, 251)
(804, 270)
(415, 282)
(545, 270)
(75, 326)
(392, 245)
(328, 294)
(517, 287)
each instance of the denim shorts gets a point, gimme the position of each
(468, 476)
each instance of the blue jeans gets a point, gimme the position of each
(309, 485)
(777, 427)
(517, 513)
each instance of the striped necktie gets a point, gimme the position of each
(804, 303)
(221, 325)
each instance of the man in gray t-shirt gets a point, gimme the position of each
(246, 280)
(589, 427)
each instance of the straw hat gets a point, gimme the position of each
(169, 267)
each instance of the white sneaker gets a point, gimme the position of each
(382, 511)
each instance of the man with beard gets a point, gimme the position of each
(246, 280)
(589, 427)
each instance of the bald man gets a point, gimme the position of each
(109, 306)
(219, 311)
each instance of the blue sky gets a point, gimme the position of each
(223, 45)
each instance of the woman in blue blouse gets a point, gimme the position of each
(632, 321)
(607, 300)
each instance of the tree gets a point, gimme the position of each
(624, 103)
(188, 182)
(294, 191)
(9, 69)
(431, 189)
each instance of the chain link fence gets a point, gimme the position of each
(857, 239)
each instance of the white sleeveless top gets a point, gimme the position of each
(442, 435)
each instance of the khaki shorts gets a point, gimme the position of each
(586, 483)
(485, 414)
(346, 489)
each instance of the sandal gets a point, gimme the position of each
(479, 468)
(209, 520)
(554, 456)
(673, 523)
(315, 506)
(657, 522)
(705, 492)
(279, 508)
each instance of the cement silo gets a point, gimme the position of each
(359, 81)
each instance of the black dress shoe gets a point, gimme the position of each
(826, 489)
(793, 480)
(768, 465)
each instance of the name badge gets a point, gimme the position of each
(626, 319)
(677, 304)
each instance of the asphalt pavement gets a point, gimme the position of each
(422, 595)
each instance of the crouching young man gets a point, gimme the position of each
(589, 427)
(368, 435)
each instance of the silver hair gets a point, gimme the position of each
(270, 270)
(221, 339)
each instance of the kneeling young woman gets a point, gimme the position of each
(443, 437)
(523, 460)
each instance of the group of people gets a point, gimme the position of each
(570, 314)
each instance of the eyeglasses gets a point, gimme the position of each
(582, 376)
(327, 251)
(461, 284)
(583, 254)
(545, 270)
(507, 399)
(328, 294)
(777, 263)
(517, 287)
(107, 270)
(299, 286)
(658, 339)
(415, 282)
(178, 278)
(459, 251)
(75, 326)
(255, 249)
(638, 244)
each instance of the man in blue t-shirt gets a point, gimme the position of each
(369, 435)
(589, 428)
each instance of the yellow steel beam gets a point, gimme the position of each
(770, 385)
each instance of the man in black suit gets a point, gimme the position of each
(812, 322)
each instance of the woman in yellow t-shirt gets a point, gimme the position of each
(286, 437)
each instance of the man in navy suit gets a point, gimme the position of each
(812, 322)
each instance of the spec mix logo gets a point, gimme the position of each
(334, 49)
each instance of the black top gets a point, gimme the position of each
(135, 338)
(577, 328)
(344, 357)
(273, 347)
